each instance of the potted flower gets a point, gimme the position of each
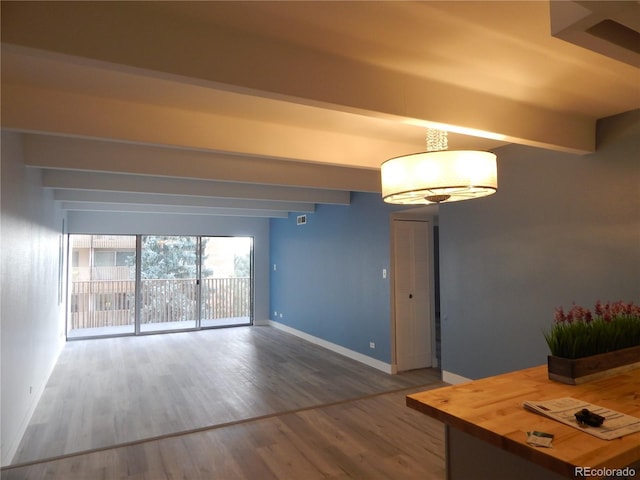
(586, 345)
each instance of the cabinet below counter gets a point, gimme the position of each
(487, 427)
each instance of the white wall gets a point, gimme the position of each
(561, 228)
(162, 224)
(32, 321)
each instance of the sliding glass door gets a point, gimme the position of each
(226, 281)
(102, 280)
(125, 285)
(169, 269)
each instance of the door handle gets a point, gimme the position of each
(411, 295)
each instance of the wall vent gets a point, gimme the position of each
(301, 220)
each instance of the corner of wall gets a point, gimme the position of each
(372, 362)
(453, 378)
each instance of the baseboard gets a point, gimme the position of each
(453, 378)
(9, 451)
(359, 357)
(11, 448)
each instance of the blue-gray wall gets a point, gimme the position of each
(328, 279)
(561, 228)
(32, 319)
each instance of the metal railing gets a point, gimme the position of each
(104, 241)
(92, 274)
(106, 303)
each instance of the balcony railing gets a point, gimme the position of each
(104, 241)
(89, 274)
(106, 303)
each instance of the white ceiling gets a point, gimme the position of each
(498, 48)
(296, 94)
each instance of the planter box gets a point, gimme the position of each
(575, 371)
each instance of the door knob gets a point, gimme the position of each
(411, 295)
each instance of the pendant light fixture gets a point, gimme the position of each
(438, 175)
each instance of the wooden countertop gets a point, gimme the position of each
(491, 409)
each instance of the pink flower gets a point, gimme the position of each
(569, 316)
(599, 309)
(588, 317)
(607, 312)
(631, 309)
(579, 314)
(617, 309)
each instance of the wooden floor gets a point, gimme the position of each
(246, 403)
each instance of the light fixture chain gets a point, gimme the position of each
(437, 140)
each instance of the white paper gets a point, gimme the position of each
(563, 410)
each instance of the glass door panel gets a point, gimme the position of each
(183, 283)
(101, 285)
(226, 281)
(168, 283)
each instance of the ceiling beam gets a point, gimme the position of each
(167, 209)
(113, 182)
(260, 146)
(101, 197)
(255, 65)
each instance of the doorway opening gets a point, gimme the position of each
(139, 284)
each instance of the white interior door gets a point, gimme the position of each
(412, 294)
